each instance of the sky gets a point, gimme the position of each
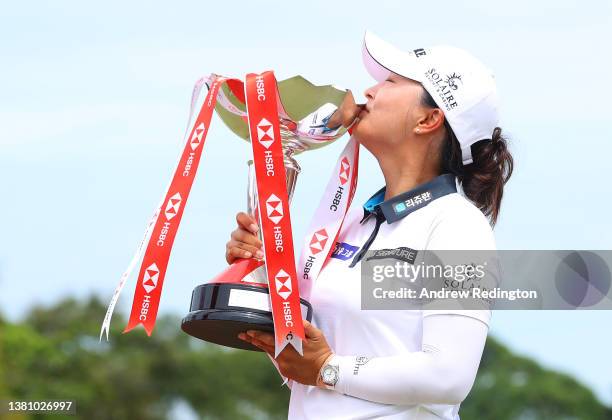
(94, 99)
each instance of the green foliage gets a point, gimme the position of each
(512, 387)
(55, 354)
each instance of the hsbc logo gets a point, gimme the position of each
(317, 244)
(172, 208)
(149, 283)
(345, 168)
(196, 139)
(345, 171)
(265, 133)
(318, 241)
(282, 280)
(274, 208)
(151, 275)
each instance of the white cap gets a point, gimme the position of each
(460, 84)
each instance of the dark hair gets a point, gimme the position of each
(482, 180)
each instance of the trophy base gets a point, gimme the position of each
(220, 311)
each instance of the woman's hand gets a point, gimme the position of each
(244, 242)
(304, 370)
(346, 114)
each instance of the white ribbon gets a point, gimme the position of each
(328, 219)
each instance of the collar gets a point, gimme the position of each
(400, 206)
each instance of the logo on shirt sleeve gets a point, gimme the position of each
(344, 251)
(359, 361)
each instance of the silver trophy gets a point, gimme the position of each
(237, 299)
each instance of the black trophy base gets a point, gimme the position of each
(220, 311)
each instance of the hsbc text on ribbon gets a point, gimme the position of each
(278, 239)
(337, 198)
(288, 315)
(261, 89)
(269, 163)
(188, 164)
(144, 308)
(309, 262)
(163, 233)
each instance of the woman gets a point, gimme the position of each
(431, 122)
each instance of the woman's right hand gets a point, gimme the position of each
(244, 242)
(347, 112)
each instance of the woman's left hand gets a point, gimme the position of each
(303, 369)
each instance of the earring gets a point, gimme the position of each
(418, 130)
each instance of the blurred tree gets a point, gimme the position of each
(513, 387)
(55, 354)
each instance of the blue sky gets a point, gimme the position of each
(94, 100)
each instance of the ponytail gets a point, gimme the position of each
(482, 180)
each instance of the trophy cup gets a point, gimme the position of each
(238, 299)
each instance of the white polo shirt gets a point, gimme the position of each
(430, 217)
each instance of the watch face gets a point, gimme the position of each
(329, 375)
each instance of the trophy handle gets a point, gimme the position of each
(252, 199)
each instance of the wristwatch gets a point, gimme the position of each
(329, 373)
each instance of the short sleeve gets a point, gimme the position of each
(460, 227)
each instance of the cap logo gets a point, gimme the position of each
(444, 87)
(420, 52)
(452, 80)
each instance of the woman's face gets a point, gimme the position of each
(391, 114)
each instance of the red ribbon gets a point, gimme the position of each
(261, 99)
(155, 262)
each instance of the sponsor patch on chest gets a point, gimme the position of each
(344, 251)
(401, 253)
